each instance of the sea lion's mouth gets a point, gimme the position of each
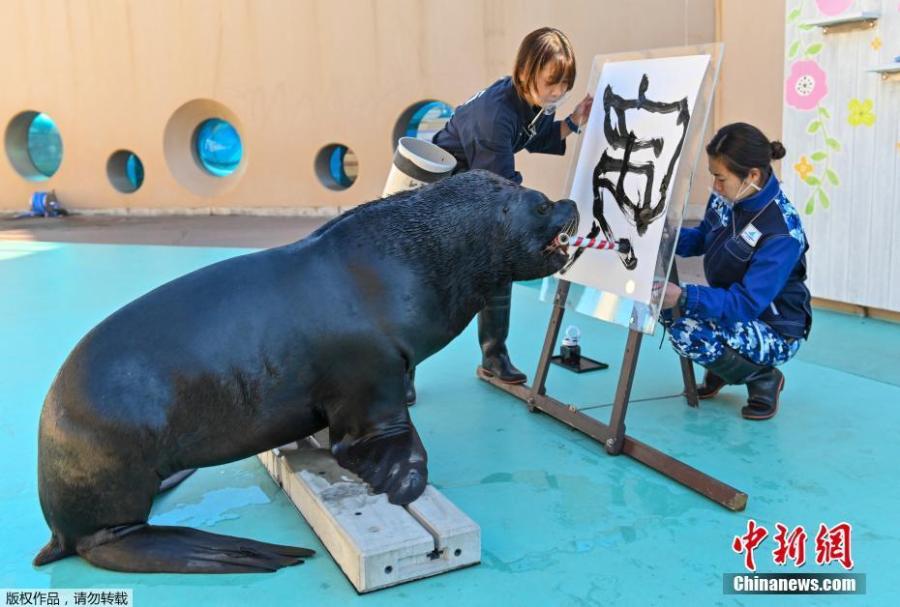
(556, 247)
(557, 243)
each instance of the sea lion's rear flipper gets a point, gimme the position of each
(158, 549)
(175, 479)
(53, 551)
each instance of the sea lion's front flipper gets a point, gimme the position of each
(389, 456)
(158, 549)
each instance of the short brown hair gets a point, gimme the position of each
(542, 47)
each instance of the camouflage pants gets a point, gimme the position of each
(703, 340)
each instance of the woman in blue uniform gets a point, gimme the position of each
(756, 310)
(514, 113)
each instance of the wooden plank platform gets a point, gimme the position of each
(376, 543)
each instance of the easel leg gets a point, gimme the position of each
(690, 382)
(616, 438)
(687, 366)
(559, 309)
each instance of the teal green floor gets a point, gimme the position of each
(562, 523)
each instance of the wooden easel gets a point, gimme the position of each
(613, 436)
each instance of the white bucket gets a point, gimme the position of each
(416, 163)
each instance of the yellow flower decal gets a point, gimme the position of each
(803, 168)
(861, 112)
(876, 43)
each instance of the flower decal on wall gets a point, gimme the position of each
(833, 7)
(803, 168)
(860, 112)
(805, 89)
(806, 85)
(876, 43)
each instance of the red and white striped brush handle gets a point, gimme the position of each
(580, 242)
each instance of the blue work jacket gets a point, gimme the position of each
(754, 261)
(488, 129)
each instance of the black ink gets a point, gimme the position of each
(640, 211)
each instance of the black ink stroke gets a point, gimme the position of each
(640, 211)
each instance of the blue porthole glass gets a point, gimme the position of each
(44, 145)
(134, 171)
(427, 119)
(218, 147)
(336, 167)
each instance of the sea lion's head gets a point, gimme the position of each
(533, 223)
(475, 227)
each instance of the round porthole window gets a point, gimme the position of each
(206, 147)
(125, 171)
(34, 145)
(336, 166)
(422, 120)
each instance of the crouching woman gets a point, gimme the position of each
(756, 311)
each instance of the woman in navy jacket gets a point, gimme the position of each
(756, 310)
(485, 132)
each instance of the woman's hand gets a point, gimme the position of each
(582, 111)
(670, 299)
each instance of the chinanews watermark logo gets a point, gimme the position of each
(833, 546)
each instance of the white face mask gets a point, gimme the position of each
(746, 186)
(545, 110)
(551, 107)
(746, 189)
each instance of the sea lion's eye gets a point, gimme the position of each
(544, 208)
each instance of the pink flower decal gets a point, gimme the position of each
(833, 7)
(806, 85)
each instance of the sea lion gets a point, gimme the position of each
(263, 349)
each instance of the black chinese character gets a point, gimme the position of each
(642, 210)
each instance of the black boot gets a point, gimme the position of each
(711, 385)
(764, 384)
(762, 394)
(409, 382)
(493, 327)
